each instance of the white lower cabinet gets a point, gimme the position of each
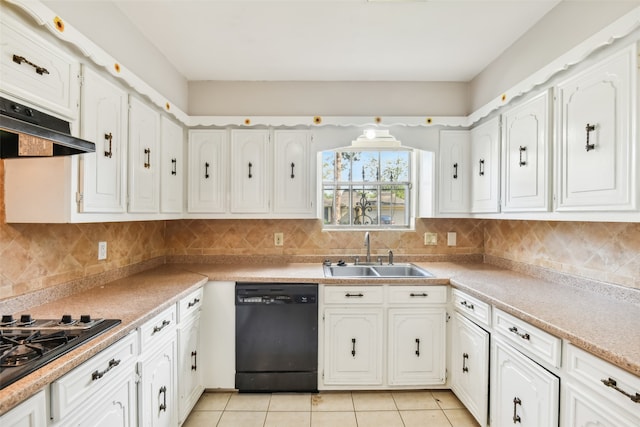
(522, 392)
(470, 366)
(189, 355)
(388, 336)
(30, 413)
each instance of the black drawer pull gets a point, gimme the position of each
(353, 347)
(522, 162)
(610, 382)
(524, 336)
(590, 128)
(20, 59)
(174, 167)
(348, 295)
(467, 304)
(465, 356)
(109, 138)
(96, 375)
(206, 170)
(418, 347)
(192, 303)
(163, 405)
(516, 417)
(481, 167)
(293, 165)
(147, 163)
(423, 294)
(455, 171)
(194, 354)
(161, 327)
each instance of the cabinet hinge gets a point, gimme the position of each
(448, 317)
(79, 197)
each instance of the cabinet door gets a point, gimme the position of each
(171, 167)
(30, 413)
(250, 189)
(522, 391)
(189, 373)
(596, 116)
(208, 171)
(470, 366)
(485, 167)
(417, 346)
(158, 386)
(353, 346)
(36, 71)
(583, 408)
(144, 143)
(454, 176)
(525, 156)
(103, 120)
(292, 172)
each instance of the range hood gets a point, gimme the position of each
(27, 132)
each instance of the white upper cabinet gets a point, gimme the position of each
(250, 171)
(292, 172)
(171, 167)
(485, 167)
(144, 156)
(36, 71)
(208, 171)
(597, 136)
(103, 119)
(526, 141)
(454, 176)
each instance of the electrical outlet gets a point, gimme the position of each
(451, 238)
(430, 239)
(278, 239)
(102, 250)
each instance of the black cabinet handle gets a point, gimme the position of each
(147, 164)
(96, 375)
(521, 335)
(467, 304)
(161, 327)
(354, 295)
(192, 303)
(590, 128)
(465, 356)
(194, 366)
(418, 347)
(109, 138)
(174, 166)
(423, 294)
(516, 417)
(163, 392)
(481, 167)
(20, 59)
(206, 170)
(455, 171)
(293, 165)
(610, 382)
(250, 174)
(522, 150)
(353, 347)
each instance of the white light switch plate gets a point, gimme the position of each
(102, 250)
(451, 238)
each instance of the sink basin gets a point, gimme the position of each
(376, 271)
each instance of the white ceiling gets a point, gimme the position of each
(342, 40)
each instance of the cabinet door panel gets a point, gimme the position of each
(250, 171)
(171, 168)
(353, 347)
(144, 143)
(454, 176)
(104, 122)
(584, 409)
(208, 171)
(485, 167)
(292, 172)
(189, 371)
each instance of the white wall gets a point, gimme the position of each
(564, 27)
(105, 25)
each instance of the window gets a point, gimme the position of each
(367, 188)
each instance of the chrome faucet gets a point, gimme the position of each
(367, 243)
(390, 257)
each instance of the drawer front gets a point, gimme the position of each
(609, 381)
(472, 307)
(35, 71)
(540, 344)
(190, 304)
(79, 385)
(155, 329)
(353, 294)
(417, 294)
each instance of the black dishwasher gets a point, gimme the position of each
(276, 337)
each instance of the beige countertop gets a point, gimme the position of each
(601, 324)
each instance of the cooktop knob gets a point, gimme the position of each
(26, 318)
(7, 318)
(85, 318)
(66, 318)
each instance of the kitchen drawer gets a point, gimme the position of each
(155, 329)
(601, 377)
(417, 294)
(471, 307)
(190, 304)
(71, 390)
(353, 294)
(538, 343)
(36, 71)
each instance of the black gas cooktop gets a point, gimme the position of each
(28, 344)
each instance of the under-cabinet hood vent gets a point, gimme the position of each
(26, 132)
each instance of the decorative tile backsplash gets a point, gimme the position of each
(36, 256)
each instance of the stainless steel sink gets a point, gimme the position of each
(376, 271)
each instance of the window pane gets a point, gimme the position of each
(395, 166)
(328, 166)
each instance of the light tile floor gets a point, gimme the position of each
(331, 409)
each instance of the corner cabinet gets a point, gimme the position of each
(144, 156)
(455, 184)
(526, 142)
(485, 167)
(597, 136)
